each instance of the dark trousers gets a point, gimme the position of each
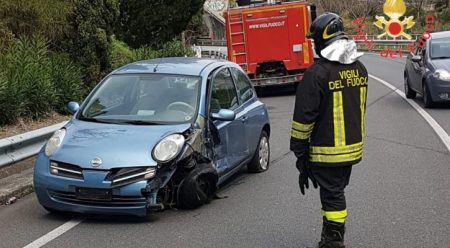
(332, 182)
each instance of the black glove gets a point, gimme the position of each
(305, 173)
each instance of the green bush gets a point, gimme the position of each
(44, 17)
(444, 19)
(11, 105)
(67, 80)
(175, 49)
(26, 71)
(119, 53)
(6, 36)
(144, 53)
(170, 49)
(21, 17)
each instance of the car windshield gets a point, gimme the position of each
(440, 48)
(143, 99)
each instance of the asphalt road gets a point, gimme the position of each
(398, 195)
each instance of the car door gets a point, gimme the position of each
(417, 70)
(250, 108)
(231, 149)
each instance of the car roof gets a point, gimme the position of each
(180, 65)
(443, 34)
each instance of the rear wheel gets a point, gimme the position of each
(410, 93)
(261, 158)
(427, 101)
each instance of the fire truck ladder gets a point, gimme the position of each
(237, 23)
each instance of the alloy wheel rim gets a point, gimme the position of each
(263, 153)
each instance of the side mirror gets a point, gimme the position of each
(224, 115)
(73, 107)
(416, 58)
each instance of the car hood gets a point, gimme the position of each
(441, 64)
(116, 145)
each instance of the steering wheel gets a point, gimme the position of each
(183, 105)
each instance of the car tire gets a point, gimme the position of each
(410, 93)
(195, 191)
(261, 159)
(427, 100)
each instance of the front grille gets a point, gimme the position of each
(124, 176)
(66, 170)
(116, 201)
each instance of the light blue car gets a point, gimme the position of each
(153, 135)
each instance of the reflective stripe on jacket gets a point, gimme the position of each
(330, 106)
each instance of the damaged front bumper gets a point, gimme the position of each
(63, 193)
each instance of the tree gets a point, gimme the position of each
(154, 22)
(92, 24)
(353, 8)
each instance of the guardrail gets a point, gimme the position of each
(23, 146)
(217, 48)
(214, 52)
(388, 39)
(376, 40)
(385, 43)
(210, 42)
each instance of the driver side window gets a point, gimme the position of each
(223, 92)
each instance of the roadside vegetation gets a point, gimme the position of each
(55, 51)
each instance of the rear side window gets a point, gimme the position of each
(243, 85)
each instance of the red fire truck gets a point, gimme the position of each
(269, 41)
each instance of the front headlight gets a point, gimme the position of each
(442, 74)
(168, 148)
(54, 142)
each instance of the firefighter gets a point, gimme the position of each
(327, 133)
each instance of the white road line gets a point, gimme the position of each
(55, 233)
(431, 121)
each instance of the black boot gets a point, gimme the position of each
(332, 235)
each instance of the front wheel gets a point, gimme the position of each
(410, 93)
(195, 191)
(427, 101)
(261, 158)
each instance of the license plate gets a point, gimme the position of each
(93, 194)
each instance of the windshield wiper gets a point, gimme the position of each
(101, 112)
(138, 122)
(82, 118)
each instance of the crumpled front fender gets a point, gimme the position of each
(198, 187)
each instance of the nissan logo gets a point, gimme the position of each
(96, 162)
